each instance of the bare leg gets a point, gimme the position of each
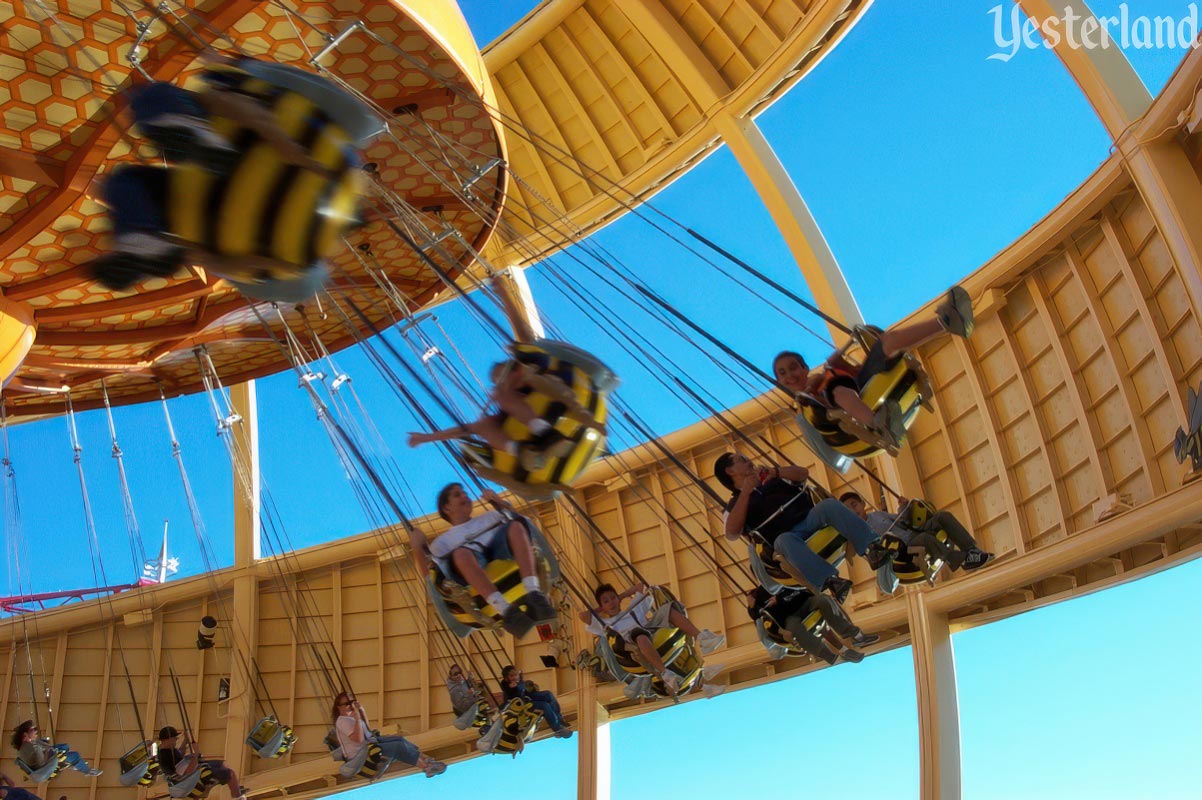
(519, 545)
(849, 400)
(514, 404)
(467, 566)
(522, 331)
(650, 654)
(684, 623)
(234, 787)
(487, 428)
(898, 340)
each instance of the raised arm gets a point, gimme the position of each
(421, 551)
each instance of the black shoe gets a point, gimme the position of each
(839, 588)
(975, 559)
(189, 143)
(539, 608)
(876, 555)
(853, 656)
(541, 441)
(119, 271)
(515, 622)
(862, 639)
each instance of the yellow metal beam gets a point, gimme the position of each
(1106, 77)
(244, 608)
(938, 708)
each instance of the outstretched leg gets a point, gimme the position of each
(487, 428)
(469, 569)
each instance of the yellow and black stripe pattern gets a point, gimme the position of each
(204, 784)
(374, 764)
(138, 766)
(265, 206)
(519, 721)
(675, 649)
(826, 542)
(814, 622)
(468, 607)
(590, 383)
(902, 383)
(906, 567)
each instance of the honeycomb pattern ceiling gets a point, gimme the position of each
(63, 66)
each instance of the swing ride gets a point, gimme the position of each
(1047, 432)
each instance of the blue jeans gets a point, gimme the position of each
(134, 195)
(792, 546)
(546, 703)
(74, 759)
(398, 748)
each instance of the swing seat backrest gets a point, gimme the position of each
(518, 720)
(270, 739)
(369, 763)
(826, 542)
(814, 622)
(265, 206)
(907, 567)
(902, 382)
(586, 379)
(195, 785)
(464, 610)
(138, 767)
(46, 771)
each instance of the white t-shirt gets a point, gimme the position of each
(474, 534)
(638, 615)
(345, 726)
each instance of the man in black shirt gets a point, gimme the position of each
(789, 610)
(773, 504)
(176, 766)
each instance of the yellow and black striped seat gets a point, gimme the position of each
(193, 786)
(675, 649)
(464, 610)
(265, 206)
(139, 766)
(369, 763)
(911, 568)
(826, 542)
(270, 738)
(47, 770)
(905, 383)
(590, 382)
(519, 721)
(815, 623)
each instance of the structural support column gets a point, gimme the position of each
(593, 765)
(792, 216)
(763, 168)
(244, 611)
(523, 306)
(938, 709)
(1161, 170)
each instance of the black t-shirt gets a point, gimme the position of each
(169, 759)
(787, 604)
(510, 692)
(769, 496)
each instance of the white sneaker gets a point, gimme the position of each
(710, 641)
(711, 690)
(638, 687)
(671, 682)
(711, 671)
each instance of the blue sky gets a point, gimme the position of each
(920, 159)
